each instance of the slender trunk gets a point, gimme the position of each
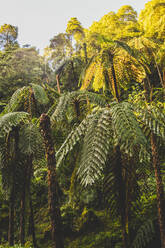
(12, 192)
(11, 210)
(31, 230)
(158, 70)
(85, 52)
(32, 226)
(58, 83)
(115, 84)
(122, 195)
(114, 81)
(159, 188)
(164, 78)
(54, 209)
(22, 211)
(73, 71)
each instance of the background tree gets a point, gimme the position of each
(8, 36)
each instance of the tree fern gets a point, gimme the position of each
(66, 100)
(10, 120)
(118, 123)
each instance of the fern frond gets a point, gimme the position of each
(40, 94)
(16, 100)
(144, 235)
(62, 105)
(152, 119)
(95, 148)
(127, 131)
(72, 139)
(89, 73)
(10, 120)
(30, 140)
(95, 98)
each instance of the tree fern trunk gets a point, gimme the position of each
(11, 211)
(22, 210)
(160, 191)
(122, 195)
(12, 192)
(56, 225)
(115, 84)
(32, 226)
(31, 230)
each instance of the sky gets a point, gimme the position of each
(39, 20)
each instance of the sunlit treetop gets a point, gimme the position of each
(152, 19)
(75, 29)
(121, 25)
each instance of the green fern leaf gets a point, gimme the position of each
(95, 148)
(30, 141)
(16, 100)
(40, 94)
(128, 133)
(72, 139)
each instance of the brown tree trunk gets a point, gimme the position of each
(160, 191)
(56, 225)
(122, 195)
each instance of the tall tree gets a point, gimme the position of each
(8, 36)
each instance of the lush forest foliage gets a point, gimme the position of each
(82, 133)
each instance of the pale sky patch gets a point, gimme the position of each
(39, 20)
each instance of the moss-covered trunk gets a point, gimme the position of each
(54, 209)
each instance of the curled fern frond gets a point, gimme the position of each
(10, 120)
(40, 94)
